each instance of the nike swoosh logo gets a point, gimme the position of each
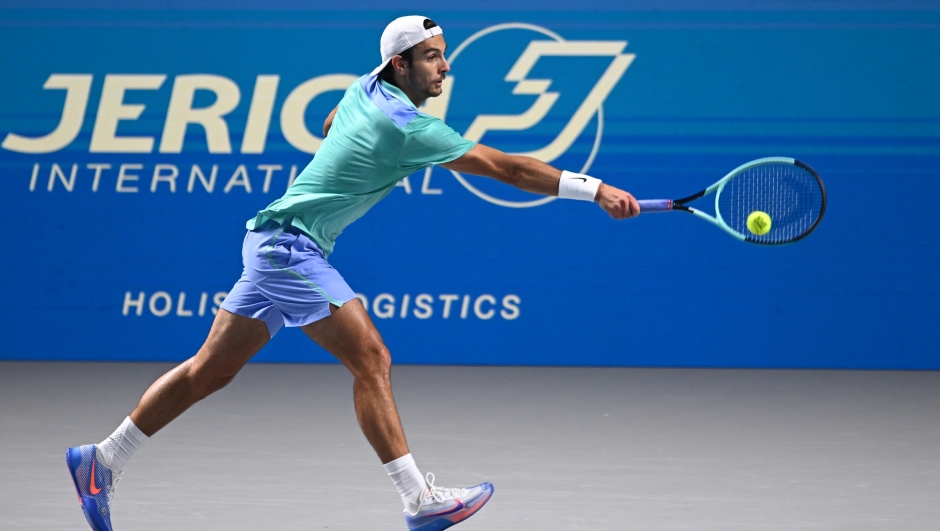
(460, 506)
(94, 489)
(582, 179)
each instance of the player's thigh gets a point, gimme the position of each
(349, 334)
(232, 341)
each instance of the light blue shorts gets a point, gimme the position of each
(286, 280)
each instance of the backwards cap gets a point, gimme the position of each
(401, 34)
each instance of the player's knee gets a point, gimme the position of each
(206, 380)
(213, 383)
(377, 361)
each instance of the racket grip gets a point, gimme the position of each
(655, 205)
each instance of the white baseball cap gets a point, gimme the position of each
(401, 34)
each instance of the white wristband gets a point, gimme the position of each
(577, 186)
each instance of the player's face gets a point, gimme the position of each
(428, 68)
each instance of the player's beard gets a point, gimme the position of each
(426, 87)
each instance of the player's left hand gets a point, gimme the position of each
(616, 202)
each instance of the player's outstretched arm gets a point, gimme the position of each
(535, 176)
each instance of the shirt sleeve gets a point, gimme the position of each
(429, 141)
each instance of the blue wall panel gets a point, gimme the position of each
(849, 87)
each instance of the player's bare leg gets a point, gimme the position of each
(232, 341)
(96, 469)
(349, 334)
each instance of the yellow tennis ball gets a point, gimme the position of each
(758, 223)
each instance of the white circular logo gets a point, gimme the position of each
(591, 106)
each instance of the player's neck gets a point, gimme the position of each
(416, 98)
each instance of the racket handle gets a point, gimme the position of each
(655, 205)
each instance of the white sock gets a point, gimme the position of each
(408, 479)
(115, 451)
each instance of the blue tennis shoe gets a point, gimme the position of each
(440, 508)
(94, 484)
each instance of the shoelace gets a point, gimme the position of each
(115, 478)
(440, 493)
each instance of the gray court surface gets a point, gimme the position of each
(598, 449)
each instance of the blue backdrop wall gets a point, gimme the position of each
(138, 137)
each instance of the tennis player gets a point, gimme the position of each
(374, 137)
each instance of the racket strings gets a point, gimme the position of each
(789, 194)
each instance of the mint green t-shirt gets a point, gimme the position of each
(377, 138)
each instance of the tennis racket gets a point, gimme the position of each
(787, 190)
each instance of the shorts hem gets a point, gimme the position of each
(322, 314)
(272, 328)
(311, 318)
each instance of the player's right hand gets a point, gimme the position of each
(616, 202)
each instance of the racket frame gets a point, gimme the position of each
(679, 204)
